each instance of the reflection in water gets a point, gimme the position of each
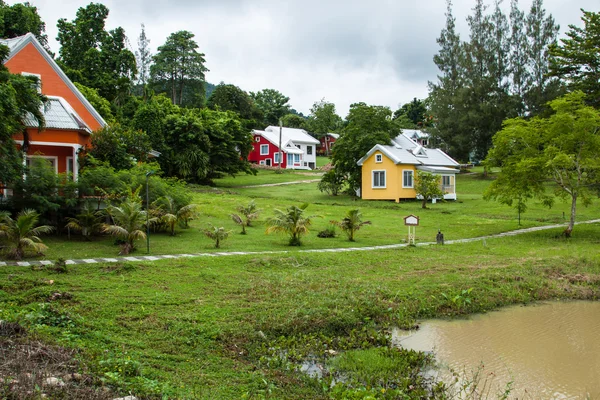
(548, 351)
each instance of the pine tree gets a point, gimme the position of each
(518, 56)
(144, 59)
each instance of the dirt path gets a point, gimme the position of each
(280, 184)
(335, 250)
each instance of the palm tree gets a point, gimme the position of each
(250, 212)
(217, 234)
(128, 223)
(21, 234)
(292, 222)
(173, 214)
(87, 222)
(351, 223)
(240, 221)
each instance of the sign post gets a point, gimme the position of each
(412, 221)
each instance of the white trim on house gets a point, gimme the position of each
(378, 158)
(412, 179)
(276, 157)
(264, 153)
(39, 78)
(373, 179)
(53, 158)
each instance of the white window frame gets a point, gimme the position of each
(412, 179)
(297, 159)
(262, 153)
(309, 150)
(449, 177)
(379, 171)
(38, 76)
(378, 158)
(53, 158)
(257, 139)
(70, 162)
(276, 158)
(262, 162)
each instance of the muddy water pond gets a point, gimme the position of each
(547, 351)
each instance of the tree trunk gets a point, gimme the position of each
(569, 229)
(424, 204)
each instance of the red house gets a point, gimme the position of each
(326, 143)
(298, 148)
(70, 118)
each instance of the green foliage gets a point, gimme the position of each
(366, 127)
(415, 112)
(22, 234)
(88, 222)
(178, 70)
(351, 223)
(273, 104)
(428, 186)
(42, 189)
(94, 57)
(170, 213)
(218, 234)
(249, 211)
(240, 221)
(294, 121)
(576, 60)
(99, 103)
(562, 149)
(119, 146)
(292, 222)
(323, 118)
(328, 232)
(332, 182)
(232, 98)
(128, 222)
(19, 19)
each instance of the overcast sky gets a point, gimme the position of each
(377, 51)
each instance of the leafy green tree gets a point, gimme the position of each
(323, 119)
(22, 234)
(366, 127)
(98, 102)
(119, 146)
(232, 98)
(18, 97)
(20, 19)
(273, 104)
(178, 70)
(128, 222)
(294, 121)
(518, 55)
(143, 58)
(562, 149)
(414, 111)
(332, 182)
(428, 186)
(351, 223)
(218, 234)
(292, 222)
(88, 222)
(94, 57)
(577, 59)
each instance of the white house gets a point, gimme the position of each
(298, 147)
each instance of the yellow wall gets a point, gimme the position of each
(393, 176)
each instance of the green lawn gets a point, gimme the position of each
(239, 326)
(470, 216)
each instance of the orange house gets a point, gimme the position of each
(70, 118)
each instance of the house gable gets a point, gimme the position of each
(28, 56)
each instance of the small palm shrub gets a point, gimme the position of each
(240, 221)
(22, 234)
(250, 212)
(218, 234)
(292, 222)
(168, 214)
(351, 223)
(328, 232)
(128, 223)
(88, 222)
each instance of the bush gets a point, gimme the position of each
(331, 182)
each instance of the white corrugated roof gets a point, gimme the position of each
(293, 134)
(58, 115)
(334, 135)
(415, 133)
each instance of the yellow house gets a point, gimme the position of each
(388, 172)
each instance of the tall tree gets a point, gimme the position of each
(577, 59)
(143, 57)
(273, 104)
(231, 98)
(21, 18)
(179, 69)
(542, 32)
(294, 121)
(366, 127)
(562, 149)
(18, 98)
(323, 119)
(415, 111)
(94, 57)
(518, 56)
